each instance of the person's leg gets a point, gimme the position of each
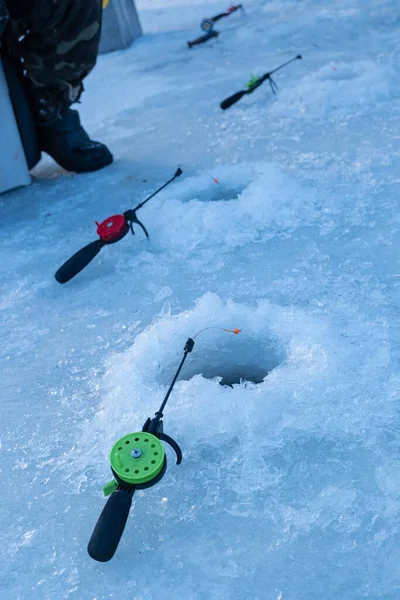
(59, 48)
(3, 17)
(62, 42)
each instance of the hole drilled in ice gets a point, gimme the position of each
(217, 193)
(235, 361)
(216, 183)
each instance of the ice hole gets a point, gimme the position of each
(234, 361)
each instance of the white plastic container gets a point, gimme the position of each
(13, 168)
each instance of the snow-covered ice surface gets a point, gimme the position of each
(289, 489)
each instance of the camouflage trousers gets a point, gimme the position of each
(58, 41)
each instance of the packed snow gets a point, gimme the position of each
(289, 488)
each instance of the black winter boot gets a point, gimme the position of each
(68, 143)
(61, 134)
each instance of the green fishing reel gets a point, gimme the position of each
(138, 459)
(253, 82)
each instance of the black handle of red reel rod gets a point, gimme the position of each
(78, 261)
(233, 99)
(203, 38)
(110, 525)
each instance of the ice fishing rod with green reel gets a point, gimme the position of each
(111, 230)
(138, 461)
(207, 25)
(254, 83)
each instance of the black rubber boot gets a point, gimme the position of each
(68, 143)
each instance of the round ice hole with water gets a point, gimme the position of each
(233, 360)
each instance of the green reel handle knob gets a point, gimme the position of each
(110, 487)
(110, 526)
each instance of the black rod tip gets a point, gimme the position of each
(189, 345)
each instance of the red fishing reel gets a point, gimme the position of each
(112, 229)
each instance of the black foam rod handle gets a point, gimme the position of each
(232, 99)
(110, 526)
(78, 261)
(203, 38)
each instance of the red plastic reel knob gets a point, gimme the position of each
(112, 228)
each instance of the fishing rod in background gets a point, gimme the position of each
(207, 25)
(138, 461)
(254, 83)
(111, 230)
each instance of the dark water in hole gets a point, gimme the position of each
(254, 376)
(248, 360)
(218, 193)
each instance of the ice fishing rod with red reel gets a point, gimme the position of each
(138, 461)
(207, 25)
(111, 230)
